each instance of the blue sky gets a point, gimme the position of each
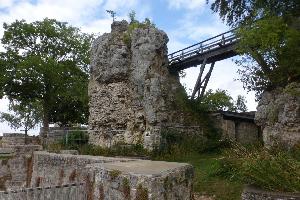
(185, 21)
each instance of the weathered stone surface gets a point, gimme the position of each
(15, 170)
(114, 178)
(58, 192)
(57, 169)
(251, 193)
(13, 139)
(131, 90)
(240, 129)
(141, 180)
(278, 113)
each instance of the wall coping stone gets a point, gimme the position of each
(279, 195)
(142, 167)
(96, 158)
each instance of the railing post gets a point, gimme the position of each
(182, 53)
(223, 40)
(201, 48)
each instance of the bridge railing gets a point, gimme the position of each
(203, 46)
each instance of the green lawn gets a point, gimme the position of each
(205, 183)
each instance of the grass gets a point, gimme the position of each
(206, 184)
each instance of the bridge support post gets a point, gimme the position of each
(202, 83)
(198, 83)
(206, 79)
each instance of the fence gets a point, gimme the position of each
(73, 191)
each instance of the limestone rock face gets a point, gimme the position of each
(278, 113)
(131, 90)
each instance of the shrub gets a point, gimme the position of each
(174, 144)
(267, 169)
(75, 138)
(134, 24)
(136, 150)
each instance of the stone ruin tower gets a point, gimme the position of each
(131, 90)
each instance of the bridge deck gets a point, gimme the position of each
(213, 49)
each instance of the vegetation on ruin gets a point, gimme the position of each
(272, 169)
(114, 173)
(134, 24)
(46, 63)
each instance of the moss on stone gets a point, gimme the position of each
(141, 193)
(114, 173)
(126, 188)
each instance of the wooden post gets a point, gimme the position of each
(198, 83)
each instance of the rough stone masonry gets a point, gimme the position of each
(131, 91)
(278, 113)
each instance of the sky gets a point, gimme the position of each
(185, 21)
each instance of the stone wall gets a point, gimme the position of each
(61, 192)
(115, 178)
(9, 139)
(132, 93)
(16, 169)
(278, 113)
(57, 169)
(239, 130)
(140, 179)
(251, 193)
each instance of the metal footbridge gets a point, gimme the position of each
(209, 51)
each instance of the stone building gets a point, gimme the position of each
(132, 92)
(239, 127)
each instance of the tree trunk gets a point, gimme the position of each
(45, 120)
(26, 134)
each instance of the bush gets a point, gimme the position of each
(174, 143)
(136, 150)
(267, 169)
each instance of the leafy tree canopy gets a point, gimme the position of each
(46, 62)
(269, 40)
(221, 100)
(24, 116)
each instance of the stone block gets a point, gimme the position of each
(140, 179)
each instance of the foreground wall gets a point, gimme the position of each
(57, 169)
(141, 179)
(251, 193)
(16, 166)
(131, 91)
(115, 178)
(61, 192)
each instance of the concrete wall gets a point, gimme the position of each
(251, 193)
(62, 192)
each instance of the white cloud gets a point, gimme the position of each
(186, 4)
(5, 3)
(97, 26)
(120, 4)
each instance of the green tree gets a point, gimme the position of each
(24, 116)
(221, 100)
(46, 63)
(269, 40)
(240, 104)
